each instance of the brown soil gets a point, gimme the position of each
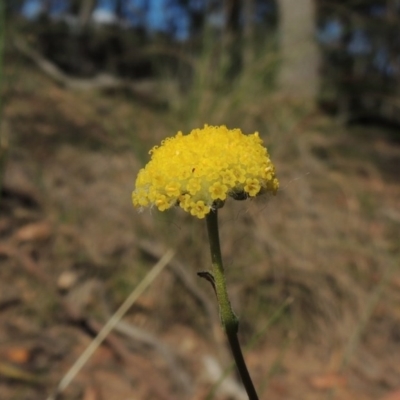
(319, 301)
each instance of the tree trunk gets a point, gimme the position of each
(230, 54)
(85, 12)
(299, 74)
(248, 32)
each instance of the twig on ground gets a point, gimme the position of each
(110, 325)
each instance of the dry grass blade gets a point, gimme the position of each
(109, 326)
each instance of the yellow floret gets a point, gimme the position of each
(218, 191)
(173, 189)
(193, 186)
(252, 186)
(199, 209)
(162, 203)
(199, 170)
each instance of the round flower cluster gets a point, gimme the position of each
(199, 170)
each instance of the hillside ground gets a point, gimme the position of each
(313, 272)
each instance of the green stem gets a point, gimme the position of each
(228, 318)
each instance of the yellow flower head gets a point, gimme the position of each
(199, 170)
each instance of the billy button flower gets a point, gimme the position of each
(200, 170)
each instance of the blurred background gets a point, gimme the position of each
(89, 87)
